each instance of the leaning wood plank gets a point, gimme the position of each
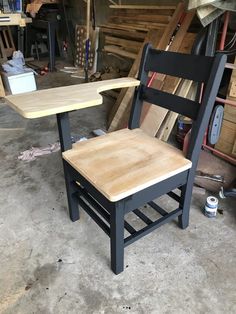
(166, 128)
(234, 148)
(120, 52)
(133, 12)
(161, 41)
(154, 117)
(63, 99)
(182, 43)
(226, 142)
(230, 111)
(122, 163)
(123, 33)
(157, 114)
(2, 90)
(127, 27)
(141, 17)
(117, 109)
(131, 44)
(145, 7)
(227, 138)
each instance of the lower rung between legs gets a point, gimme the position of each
(95, 217)
(129, 228)
(143, 217)
(158, 208)
(141, 233)
(174, 196)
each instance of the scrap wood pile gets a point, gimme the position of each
(227, 140)
(127, 27)
(171, 33)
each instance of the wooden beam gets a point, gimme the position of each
(125, 95)
(118, 116)
(127, 44)
(120, 52)
(123, 33)
(133, 12)
(181, 43)
(2, 90)
(127, 27)
(142, 17)
(183, 90)
(143, 7)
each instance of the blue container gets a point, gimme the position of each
(18, 6)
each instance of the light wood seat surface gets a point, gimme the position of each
(121, 163)
(63, 99)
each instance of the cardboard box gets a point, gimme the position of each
(19, 83)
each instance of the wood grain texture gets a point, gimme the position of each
(125, 95)
(156, 115)
(123, 33)
(227, 138)
(63, 99)
(121, 163)
(119, 51)
(143, 7)
(169, 122)
(230, 111)
(160, 41)
(2, 90)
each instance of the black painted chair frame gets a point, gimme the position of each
(110, 216)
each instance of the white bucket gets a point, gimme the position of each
(211, 206)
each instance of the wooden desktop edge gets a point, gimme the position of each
(92, 89)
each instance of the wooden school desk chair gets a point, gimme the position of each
(118, 173)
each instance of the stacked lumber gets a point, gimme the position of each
(155, 120)
(127, 27)
(227, 140)
(35, 5)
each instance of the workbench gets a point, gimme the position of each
(16, 19)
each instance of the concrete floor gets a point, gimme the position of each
(51, 265)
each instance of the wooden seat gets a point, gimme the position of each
(122, 163)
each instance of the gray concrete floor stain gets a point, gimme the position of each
(51, 265)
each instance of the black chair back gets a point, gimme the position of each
(201, 69)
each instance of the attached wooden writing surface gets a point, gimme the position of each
(124, 162)
(46, 102)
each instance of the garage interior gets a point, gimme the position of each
(50, 264)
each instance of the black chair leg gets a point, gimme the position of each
(117, 237)
(71, 197)
(185, 203)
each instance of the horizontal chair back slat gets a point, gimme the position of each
(179, 65)
(183, 106)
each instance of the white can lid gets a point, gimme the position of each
(212, 201)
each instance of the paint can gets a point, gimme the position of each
(211, 206)
(184, 124)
